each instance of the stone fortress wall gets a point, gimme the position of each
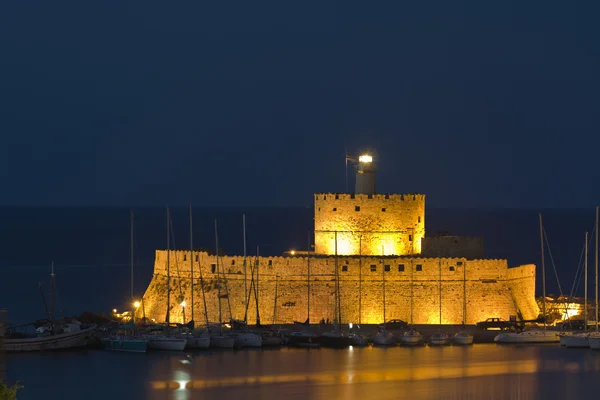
(371, 224)
(492, 289)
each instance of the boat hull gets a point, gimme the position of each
(410, 340)
(271, 341)
(242, 340)
(61, 341)
(463, 340)
(439, 340)
(386, 339)
(576, 340)
(303, 340)
(528, 337)
(222, 342)
(167, 343)
(198, 342)
(594, 342)
(125, 345)
(335, 342)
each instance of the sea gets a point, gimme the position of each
(89, 251)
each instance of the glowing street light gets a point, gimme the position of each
(136, 304)
(365, 159)
(183, 303)
(114, 310)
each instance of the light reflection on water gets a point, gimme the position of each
(478, 372)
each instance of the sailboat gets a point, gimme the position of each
(594, 337)
(383, 337)
(439, 338)
(220, 340)
(125, 339)
(336, 338)
(194, 339)
(304, 337)
(167, 341)
(533, 335)
(463, 337)
(411, 337)
(580, 339)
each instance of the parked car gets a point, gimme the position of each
(395, 324)
(495, 324)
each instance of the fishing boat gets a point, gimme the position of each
(59, 337)
(535, 335)
(125, 344)
(303, 339)
(356, 339)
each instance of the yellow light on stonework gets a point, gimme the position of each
(183, 303)
(365, 159)
(344, 247)
(572, 310)
(136, 304)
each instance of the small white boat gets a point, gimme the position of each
(579, 339)
(463, 338)
(411, 337)
(528, 336)
(594, 340)
(439, 339)
(72, 337)
(166, 343)
(383, 338)
(221, 341)
(246, 339)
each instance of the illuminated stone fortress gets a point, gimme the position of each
(379, 236)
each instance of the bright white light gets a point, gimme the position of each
(136, 304)
(365, 159)
(350, 325)
(292, 252)
(183, 303)
(114, 310)
(182, 384)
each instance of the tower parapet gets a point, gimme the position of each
(369, 224)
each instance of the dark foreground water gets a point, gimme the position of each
(479, 372)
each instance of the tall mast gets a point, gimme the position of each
(192, 260)
(359, 278)
(275, 302)
(543, 271)
(131, 253)
(440, 284)
(464, 293)
(52, 275)
(585, 298)
(256, 287)
(597, 208)
(308, 279)
(218, 278)
(337, 295)
(168, 268)
(245, 274)
(411, 293)
(203, 294)
(383, 282)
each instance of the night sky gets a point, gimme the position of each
(475, 104)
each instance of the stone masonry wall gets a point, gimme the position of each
(390, 223)
(492, 289)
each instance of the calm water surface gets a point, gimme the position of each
(478, 372)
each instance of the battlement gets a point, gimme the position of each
(388, 197)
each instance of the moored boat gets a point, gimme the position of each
(125, 344)
(221, 341)
(246, 339)
(579, 339)
(303, 339)
(411, 338)
(383, 337)
(594, 340)
(166, 343)
(73, 338)
(528, 336)
(462, 338)
(201, 341)
(356, 339)
(334, 339)
(439, 339)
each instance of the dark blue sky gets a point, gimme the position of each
(476, 104)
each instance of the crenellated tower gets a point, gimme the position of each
(366, 222)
